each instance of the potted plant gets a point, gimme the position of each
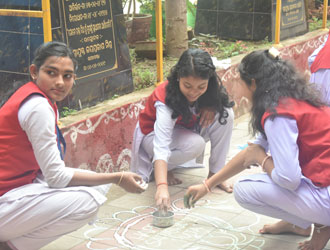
(148, 7)
(137, 24)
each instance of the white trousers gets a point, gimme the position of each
(32, 222)
(187, 145)
(302, 207)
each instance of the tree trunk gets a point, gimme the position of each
(176, 27)
(311, 4)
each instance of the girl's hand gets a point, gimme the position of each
(254, 154)
(193, 194)
(162, 198)
(206, 117)
(131, 182)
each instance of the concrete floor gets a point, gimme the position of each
(216, 222)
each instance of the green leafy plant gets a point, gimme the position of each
(150, 4)
(225, 48)
(114, 96)
(147, 5)
(234, 49)
(143, 78)
(315, 23)
(67, 111)
(132, 55)
(191, 7)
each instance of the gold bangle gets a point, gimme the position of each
(264, 161)
(121, 177)
(206, 186)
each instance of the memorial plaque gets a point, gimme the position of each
(292, 13)
(89, 32)
(293, 18)
(94, 29)
(249, 19)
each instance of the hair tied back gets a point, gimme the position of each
(208, 65)
(274, 53)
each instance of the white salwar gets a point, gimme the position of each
(179, 146)
(287, 194)
(33, 215)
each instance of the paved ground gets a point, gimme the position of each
(217, 222)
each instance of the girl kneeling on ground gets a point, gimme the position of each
(182, 113)
(40, 198)
(293, 124)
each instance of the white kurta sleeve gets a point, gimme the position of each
(37, 119)
(261, 141)
(282, 134)
(163, 129)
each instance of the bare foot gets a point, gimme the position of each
(319, 239)
(285, 227)
(224, 185)
(172, 180)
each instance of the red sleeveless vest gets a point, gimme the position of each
(313, 139)
(147, 116)
(322, 59)
(18, 165)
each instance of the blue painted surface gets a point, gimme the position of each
(20, 36)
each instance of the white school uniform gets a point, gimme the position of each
(177, 145)
(35, 214)
(287, 194)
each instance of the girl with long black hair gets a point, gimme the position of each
(292, 124)
(182, 113)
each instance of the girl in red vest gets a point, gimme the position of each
(182, 113)
(293, 126)
(40, 198)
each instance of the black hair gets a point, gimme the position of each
(53, 48)
(275, 79)
(196, 63)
